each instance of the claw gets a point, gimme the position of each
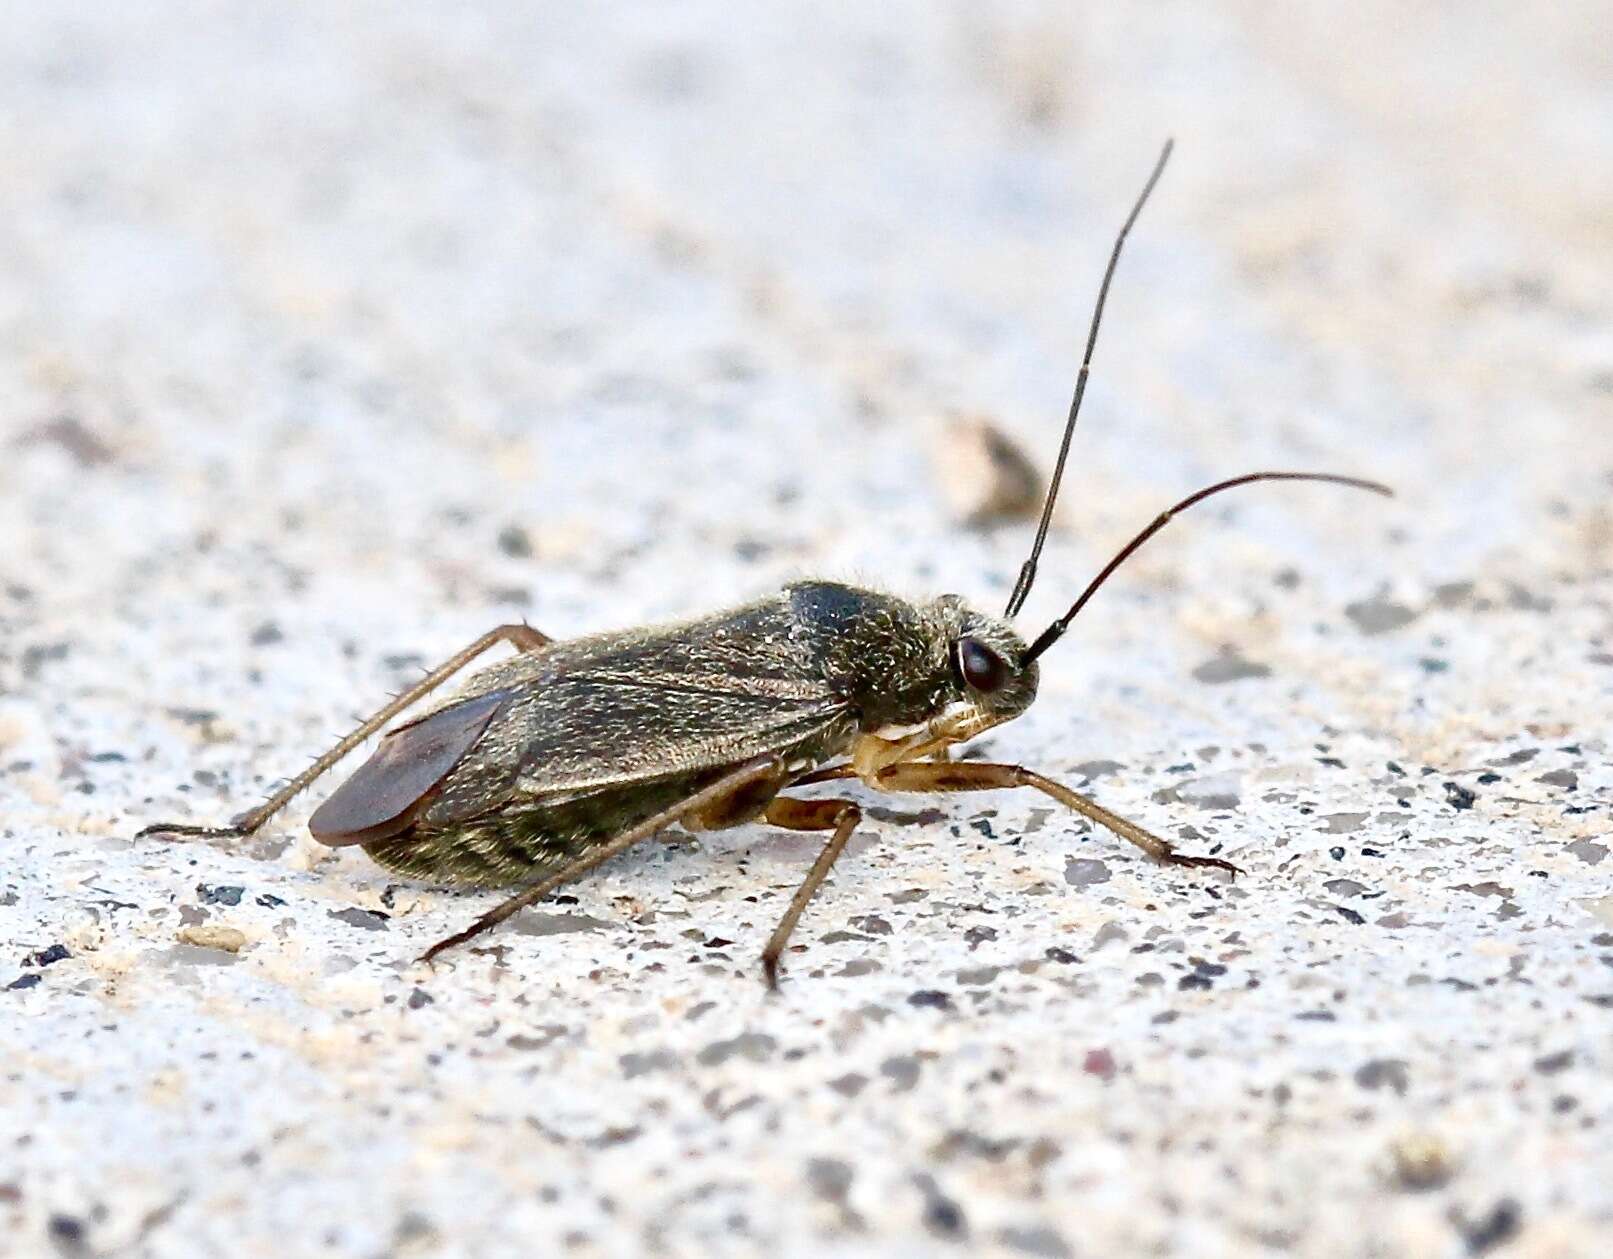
(1214, 863)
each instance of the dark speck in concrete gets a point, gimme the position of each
(536, 923)
(1085, 871)
(197, 955)
(514, 542)
(1458, 796)
(1551, 1064)
(830, 1178)
(218, 895)
(1379, 615)
(902, 1072)
(930, 998)
(67, 1233)
(1379, 1073)
(1213, 791)
(1496, 1227)
(364, 919)
(1588, 851)
(1229, 666)
(753, 1046)
(635, 1065)
(943, 1217)
(1342, 823)
(37, 655)
(1039, 1240)
(850, 1084)
(1488, 888)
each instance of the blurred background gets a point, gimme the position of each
(332, 335)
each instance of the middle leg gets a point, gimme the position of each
(842, 817)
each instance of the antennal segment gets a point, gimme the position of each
(1055, 631)
(1027, 570)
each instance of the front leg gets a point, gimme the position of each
(986, 776)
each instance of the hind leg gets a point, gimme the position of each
(523, 637)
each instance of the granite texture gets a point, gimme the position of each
(333, 335)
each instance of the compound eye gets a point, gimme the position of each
(981, 667)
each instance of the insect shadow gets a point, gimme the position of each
(557, 759)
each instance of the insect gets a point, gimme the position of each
(555, 760)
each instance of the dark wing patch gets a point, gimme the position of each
(393, 786)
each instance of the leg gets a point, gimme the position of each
(984, 776)
(523, 637)
(753, 771)
(806, 815)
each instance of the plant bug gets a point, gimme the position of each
(557, 759)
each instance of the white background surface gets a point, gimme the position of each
(304, 308)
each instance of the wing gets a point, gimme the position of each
(394, 785)
(594, 714)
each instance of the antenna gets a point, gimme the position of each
(1027, 571)
(1055, 631)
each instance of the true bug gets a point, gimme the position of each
(555, 760)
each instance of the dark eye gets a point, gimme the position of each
(979, 666)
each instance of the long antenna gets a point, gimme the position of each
(1055, 631)
(1027, 570)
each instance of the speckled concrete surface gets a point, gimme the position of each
(333, 335)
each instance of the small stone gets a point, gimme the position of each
(212, 935)
(985, 477)
(1421, 1161)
